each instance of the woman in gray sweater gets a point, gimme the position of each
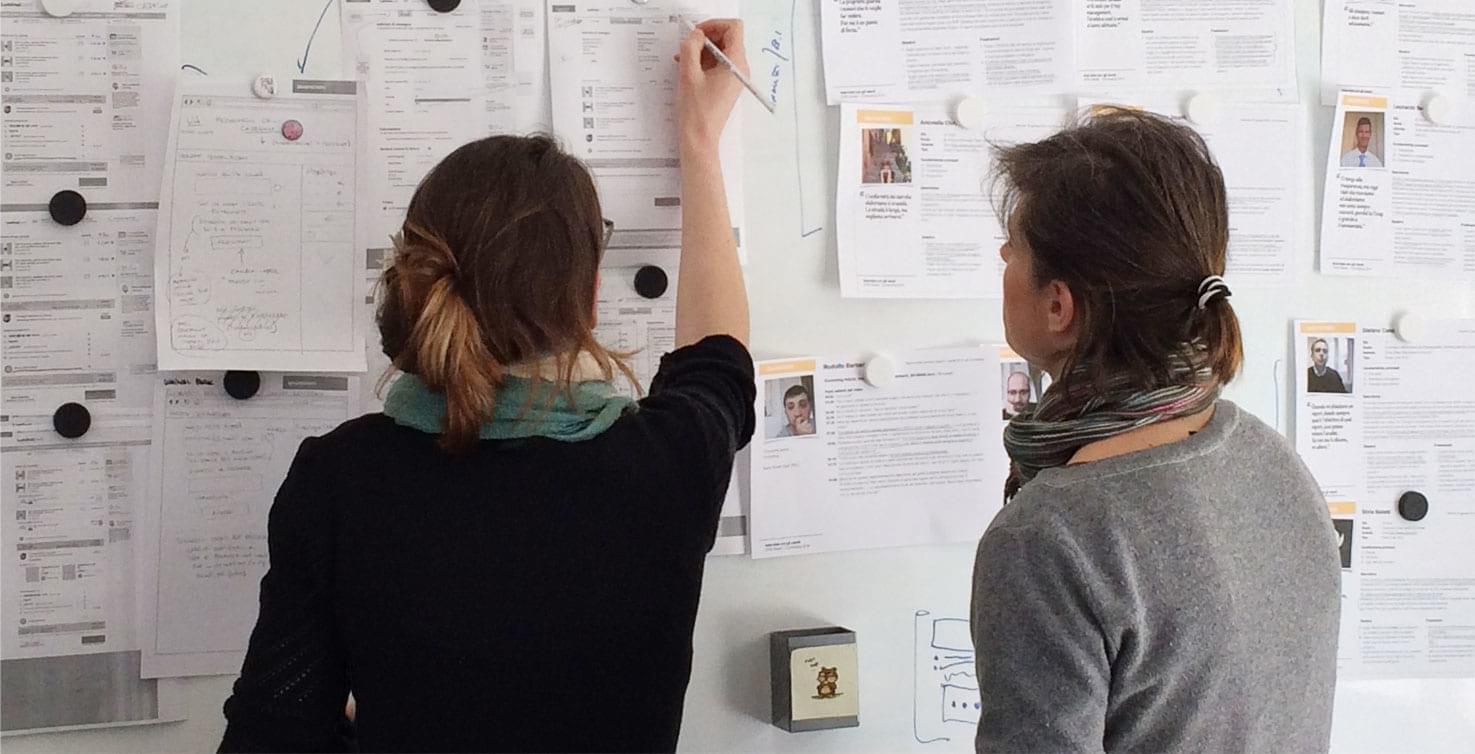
(1165, 574)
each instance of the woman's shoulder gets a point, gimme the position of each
(710, 380)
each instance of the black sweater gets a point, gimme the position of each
(536, 595)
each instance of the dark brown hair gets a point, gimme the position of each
(1128, 210)
(497, 264)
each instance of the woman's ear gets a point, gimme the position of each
(1061, 317)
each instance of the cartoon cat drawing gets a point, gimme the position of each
(828, 679)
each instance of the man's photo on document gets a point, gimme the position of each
(1330, 364)
(789, 407)
(1362, 140)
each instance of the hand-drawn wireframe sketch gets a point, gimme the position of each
(945, 702)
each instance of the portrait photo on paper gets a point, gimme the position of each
(1362, 139)
(1345, 528)
(789, 408)
(1020, 390)
(884, 156)
(1330, 363)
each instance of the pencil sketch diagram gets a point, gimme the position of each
(945, 702)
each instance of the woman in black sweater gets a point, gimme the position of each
(509, 558)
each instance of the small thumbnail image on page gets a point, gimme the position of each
(885, 156)
(1331, 363)
(1362, 140)
(789, 408)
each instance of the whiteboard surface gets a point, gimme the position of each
(794, 290)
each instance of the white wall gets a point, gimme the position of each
(796, 307)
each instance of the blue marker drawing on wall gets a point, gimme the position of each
(945, 700)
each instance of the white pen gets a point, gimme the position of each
(723, 59)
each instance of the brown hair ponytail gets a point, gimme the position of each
(1129, 210)
(496, 265)
(445, 340)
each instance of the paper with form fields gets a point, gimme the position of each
(214, 469)
(86, 99)
(912, 213)
(613, 86)
(1376, 419)
(255, 265)
(1402, 47)
(69, 512)
(78, 320)
(70, 645)
(1399, 199)
(840, 465)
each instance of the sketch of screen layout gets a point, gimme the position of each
(945, 701)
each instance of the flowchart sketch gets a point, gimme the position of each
(946, 702)
(257, 268)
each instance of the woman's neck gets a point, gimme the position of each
(1143, 438)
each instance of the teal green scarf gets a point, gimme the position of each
(594, 408)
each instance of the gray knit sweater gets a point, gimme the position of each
(1182, 598)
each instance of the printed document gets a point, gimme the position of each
(1245, 48)
(256, 266)
(69, 610)
(1399, 198)
(935, 50)
(214, 468)
(1403, 47)
(69, 512)
(913, 218)
(1257, 147)
(86, 99)
(1388, 430)
(838, 464)
(613, 87)
(931, 51)
(78, 319)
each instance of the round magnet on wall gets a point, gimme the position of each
(651, 281)
(242, 384)
(291, 130)
(264, 86)
(1439, 109)
(880, 371)
(1410, 327)
(58, 8)
(67, 207)
(969, 112)
(444, 6)
(1201, 108)
(71, 420)
(1413, 506)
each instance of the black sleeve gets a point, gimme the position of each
(294, 682)
(707, 390)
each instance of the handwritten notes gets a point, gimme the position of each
(256, 229)
(215, 466)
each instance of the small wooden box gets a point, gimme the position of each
(815, 679)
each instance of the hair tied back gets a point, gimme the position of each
(1211, 288)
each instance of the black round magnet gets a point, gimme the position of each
(1413, 506)
(67, 207)
(71, 420)
(444, 6)
(242, 384)
(651, 281)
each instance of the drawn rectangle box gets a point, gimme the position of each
(815, 679)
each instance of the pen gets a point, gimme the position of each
(721, 58)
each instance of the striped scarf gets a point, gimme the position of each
(1062, 425)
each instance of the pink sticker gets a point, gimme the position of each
(292, 130)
